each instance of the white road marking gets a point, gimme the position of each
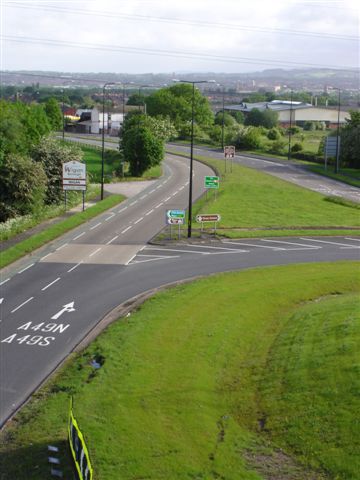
(95, 226)
(52, 283)
(157, 206)
(159, 186)
(75, 266)
(24, 303)
(151, 191)
(95, 252)
(290, 243)
(254, 245)
(186, 184)
(26, 268)
(42, 258)
(122, 210)
(155, 259)
(177, 191)
(111, 216)
(219, 248)
(158, 256)
(4, 281)
(182, 188)
(354, 247)
(61, 246)
(126, 229)
(144, 196)
(354, 239)
(133, 203)
(326, 241)
(138, 220)
(113, 239)
(127, 263)
(149, 212)
(175, 250)
(167, 199)
(77, 236)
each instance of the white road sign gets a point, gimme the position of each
(74, 176)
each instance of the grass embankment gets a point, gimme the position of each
(350, 176)
(30, 244)
(210, 380)
(252, 203)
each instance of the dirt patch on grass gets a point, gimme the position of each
(277, 465)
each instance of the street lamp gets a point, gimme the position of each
(110, 84)
(290, 126)
(193, 83)
(63, 117)
(336, 170)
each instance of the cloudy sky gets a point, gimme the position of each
(138, 36)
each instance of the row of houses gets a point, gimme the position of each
(93, 121)
(299, 112)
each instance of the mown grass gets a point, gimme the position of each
(248, 199)
(350, 176)
(208, 380)
(30, 244)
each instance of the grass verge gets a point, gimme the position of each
(247, 375)
(346, 175)
(22, 248)
(253, 203)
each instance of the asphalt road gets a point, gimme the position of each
(53, 298)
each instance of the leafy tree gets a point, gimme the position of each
(249, 138)
(136, 99)
(229, 120)
(239, 116)
(53, 114)
(350, 141)
(274, 134)
(22, 186)
(267, 118)
(142, 149)
(51, 154)
(176, 103)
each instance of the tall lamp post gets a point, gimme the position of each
(110, 84)
(336, 170)
(290, 124)
(193, 83)
(63, 116)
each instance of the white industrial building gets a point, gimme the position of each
(299, 111)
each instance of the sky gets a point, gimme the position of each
(164, 36)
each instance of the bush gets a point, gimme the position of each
(309, 126)
(297, 147)
(278, 146)
(274, 134)
(249, 138)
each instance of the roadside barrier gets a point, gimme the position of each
(78, 448)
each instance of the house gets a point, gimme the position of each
(300, 112)
(91, 121)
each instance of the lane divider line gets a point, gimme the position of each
(42, 258)
(78, 236)
(112, 240)
(95, 252)
(126, 229)
(149, 212)
(133, 203)
(75, 266)
(167, 199)
(52, 283)
(122, 210)
(138, 220)
(61, 246)
(24, 303)
(111, 216)
(95, 226)
(4, 281)
(26, 268)
(144, 196)
(127, 263)
(157, 206)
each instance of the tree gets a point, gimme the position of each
(350, 141)
(229, 120)
(136, 99)
(53, 113)
(267, 118)
(51, 154)
(22, 186)
(176, 103)
(142, 149)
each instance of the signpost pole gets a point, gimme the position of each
(83, 195)
(65, 200)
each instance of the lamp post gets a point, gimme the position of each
(63, 117)
(336, 170)
(290, 125)
(103, 139)
(193, 83)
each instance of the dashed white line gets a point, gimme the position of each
(26, 268)
(126, 229)
(133, 203)
(167, 199)
(354, 239)
(4, 281)
(152, 191)
(110, 217)
(159, 186)
(52, 283)
(45, 256)
(122, 210)
(112, 240)
(24, 303)
(157, 206)
(61, 246)
(95, 252)
(78, 236)
(138, 220)
(144, 196)
(177, 191)
(127, 263)
(75, 266)
(182, 188)
(95, 226)
(149, 212)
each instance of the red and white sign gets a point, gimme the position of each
(229, 151)
(212, 217)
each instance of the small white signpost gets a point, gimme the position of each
(74, 178)
(175, 217)
(229, 152)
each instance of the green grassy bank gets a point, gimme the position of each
(248, 375)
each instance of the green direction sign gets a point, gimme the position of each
(212, 182)
(175, 213)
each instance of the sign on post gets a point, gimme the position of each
(229, 151)
(212, 182)
(212, 217)
(74, 176)
(332, 148)
(175, 217)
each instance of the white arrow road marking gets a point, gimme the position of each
(69, 307)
